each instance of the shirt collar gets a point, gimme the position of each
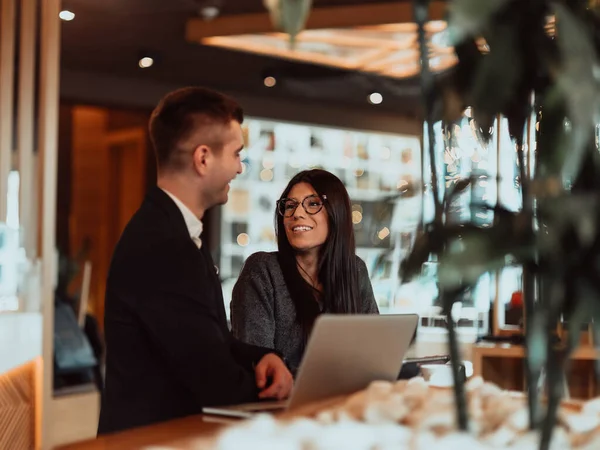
(193, 224)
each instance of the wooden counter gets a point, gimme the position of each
(200, 432)
(503, 364)
(189, 433)
(179, 434)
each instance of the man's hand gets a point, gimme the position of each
(281, 381)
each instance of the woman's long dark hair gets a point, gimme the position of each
(337, 270)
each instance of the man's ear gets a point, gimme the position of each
(201, 157)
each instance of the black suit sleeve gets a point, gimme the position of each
(249, 355)
(195, 349)
(178, 311)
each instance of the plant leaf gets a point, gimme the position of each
(481, 250)
(455, 361)
(536, 343)
(468, 17)
(552, 142)
(469, 57)
(459, 186)
(569, 225)
(579, 316)
(579, 84)
(456, 189)
(289, 16)
(426, 244)
(431, 242)
(493, 89)
(453, 104)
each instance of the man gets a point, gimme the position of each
(169, 351)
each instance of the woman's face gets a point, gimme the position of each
(305, 232)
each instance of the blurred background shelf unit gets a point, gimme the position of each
(381, 172)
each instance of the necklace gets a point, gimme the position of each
(315, 285)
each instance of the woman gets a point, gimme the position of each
(279, 295)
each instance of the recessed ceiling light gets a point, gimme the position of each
(383, 233)
(66, 15)
(146, 62)
(266, 175)
(375, 98)
(243, 239)
(209, 13)
(270, 81)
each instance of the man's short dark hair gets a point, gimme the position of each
(178, 116)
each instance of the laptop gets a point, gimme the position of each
(345, 353)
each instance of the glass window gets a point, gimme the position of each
(381, 172)
(462, 152)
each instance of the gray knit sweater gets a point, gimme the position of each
(263, 313)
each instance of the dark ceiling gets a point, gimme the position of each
(109, 37)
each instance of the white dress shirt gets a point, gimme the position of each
(194, 225)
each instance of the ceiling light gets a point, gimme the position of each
(66, 15)
(268, 164)
(375, 98)
(243, 239)
(270, 81)
(266, 175)
(146, 62)
(383, 233)
(386, 153)
(209, 13)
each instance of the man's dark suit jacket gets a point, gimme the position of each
(169, 350)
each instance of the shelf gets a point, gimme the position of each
(503, 364)
(78, 389)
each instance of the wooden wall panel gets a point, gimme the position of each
(17, 403)
(127, 153)
(89, 192)
(64, 186)
(108, 183)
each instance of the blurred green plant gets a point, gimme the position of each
(289, 16)
(517, 58)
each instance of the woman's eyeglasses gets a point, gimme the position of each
(311, 204)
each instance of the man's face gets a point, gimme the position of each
(226, 164)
